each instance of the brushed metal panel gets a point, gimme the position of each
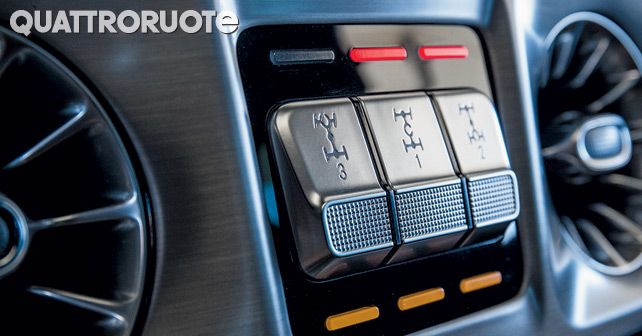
(214, 262)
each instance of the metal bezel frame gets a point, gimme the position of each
(636, 56)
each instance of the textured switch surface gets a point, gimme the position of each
(493, 198)
(431, 211)
(358, 226)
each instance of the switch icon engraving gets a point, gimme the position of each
(412, 142)
(329, 122)
(475, 135)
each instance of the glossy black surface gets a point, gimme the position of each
(310, 301)
(267, 84)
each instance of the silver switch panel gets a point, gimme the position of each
(408, 138)
(327, 149)
(472, 124)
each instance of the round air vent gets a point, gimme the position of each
(591, 131)
(73, 234)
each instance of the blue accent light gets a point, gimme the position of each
(270, 203)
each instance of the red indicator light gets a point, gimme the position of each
(378, 54)
(442, 52)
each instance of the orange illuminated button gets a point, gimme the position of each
(480, 281)
(421, 298)
(378, 54)
(442, 52)
(351, 318)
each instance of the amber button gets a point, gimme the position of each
(351, 318)
(422, 298)
(480, 281)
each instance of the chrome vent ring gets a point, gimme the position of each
(591, 134)
(71, 207)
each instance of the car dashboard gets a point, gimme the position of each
(327, 168)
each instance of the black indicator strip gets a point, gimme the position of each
(301, 56)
